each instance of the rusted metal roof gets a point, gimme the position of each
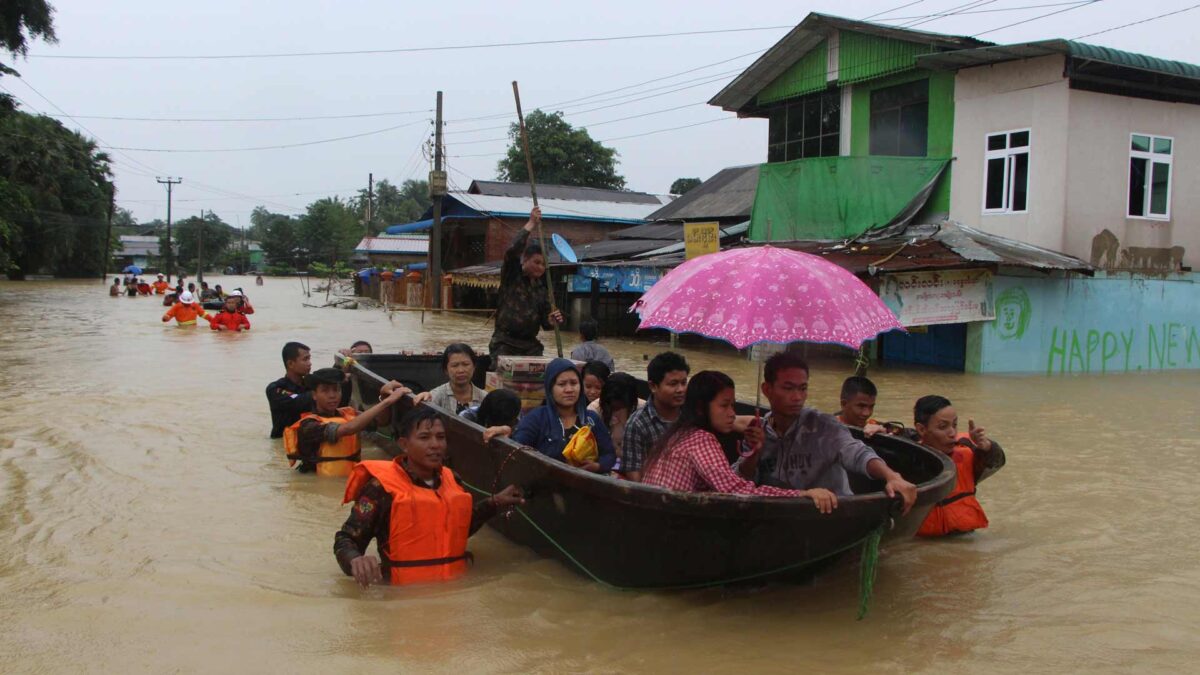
(942, 246)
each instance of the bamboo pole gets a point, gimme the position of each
(541, 234)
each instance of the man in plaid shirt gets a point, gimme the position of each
(668, 376)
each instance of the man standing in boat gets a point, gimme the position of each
(808, 450)
(524, 307)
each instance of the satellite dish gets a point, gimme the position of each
(564, 249)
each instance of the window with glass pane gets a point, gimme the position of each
(1150, 159)
(900, 120)
(1006, 172)
(805, 127)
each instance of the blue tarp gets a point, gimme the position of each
(417, 266)
(418, 226)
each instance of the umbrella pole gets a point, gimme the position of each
(758, 389)
(541, 234)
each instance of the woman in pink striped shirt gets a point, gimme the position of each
(689, 457)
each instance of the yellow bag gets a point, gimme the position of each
(582, 448)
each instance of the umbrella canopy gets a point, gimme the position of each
(132, 269)
(746, 296)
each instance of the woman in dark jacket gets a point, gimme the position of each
(550, 427)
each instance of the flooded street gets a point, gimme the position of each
(149, 524)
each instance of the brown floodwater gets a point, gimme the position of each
(149, 525)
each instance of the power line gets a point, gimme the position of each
(1134, 23)
(996, 10)
(403, 50)
(273, 147)
(243, 119)
(1040, 16)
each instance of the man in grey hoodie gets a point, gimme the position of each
(808, 450)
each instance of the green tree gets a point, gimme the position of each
(393, 205)
(54, 204)
(20, 22)
(280, 238)
(204, 235)
(123, 222)
(328, 231)
(682, 185)
(562, 155)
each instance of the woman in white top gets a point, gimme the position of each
(458, 362)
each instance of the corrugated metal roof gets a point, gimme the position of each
(569, 192)
(728, 235)
(561, 209)
(652, 231)
(806, 36)
(728, 194)
(400, 245)
(968, 58)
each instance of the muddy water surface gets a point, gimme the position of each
(147, 524)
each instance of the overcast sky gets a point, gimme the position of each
(476, 83)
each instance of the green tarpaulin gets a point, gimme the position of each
(831, 198)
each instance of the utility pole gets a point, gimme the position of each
(437, 188)
(245, 250)
(107, 256)
(200, 250)
(370, 201)
(169, 182)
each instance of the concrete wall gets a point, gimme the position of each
(1021, 94)
(1106, 324)
(1097, 193)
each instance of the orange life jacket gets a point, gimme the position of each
(427, 529)
(334, 459)
(960, 511)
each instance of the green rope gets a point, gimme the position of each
(867, 566)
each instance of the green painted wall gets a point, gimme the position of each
(941, 123)
(803, 77)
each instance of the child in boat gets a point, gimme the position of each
(498, 414)
(595, 374)
(359, 347)
(229, 318)
(975, 457)
(689, 456)
(618, 401)
(549, 428)
(325, 440)
(185, 311)
(858, 406)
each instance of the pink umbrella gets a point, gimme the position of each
(765, 294)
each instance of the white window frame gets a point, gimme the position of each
(1010, 167)
(1151, 158)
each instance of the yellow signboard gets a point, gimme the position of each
(701, 239)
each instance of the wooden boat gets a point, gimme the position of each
(632, 535)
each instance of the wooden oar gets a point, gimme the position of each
(541, 235)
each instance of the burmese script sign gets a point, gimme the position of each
(701, 239)
(950, 296)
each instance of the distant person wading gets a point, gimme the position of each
(524, 307)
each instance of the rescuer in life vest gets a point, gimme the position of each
(418, 511)
(975, 457)
(325, 440)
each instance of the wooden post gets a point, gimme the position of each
(541, 234)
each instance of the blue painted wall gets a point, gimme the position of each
(1104, 324)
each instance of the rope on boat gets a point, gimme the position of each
(868, 563)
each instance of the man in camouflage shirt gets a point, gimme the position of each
(524, 307)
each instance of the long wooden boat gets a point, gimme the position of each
(632, 535)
